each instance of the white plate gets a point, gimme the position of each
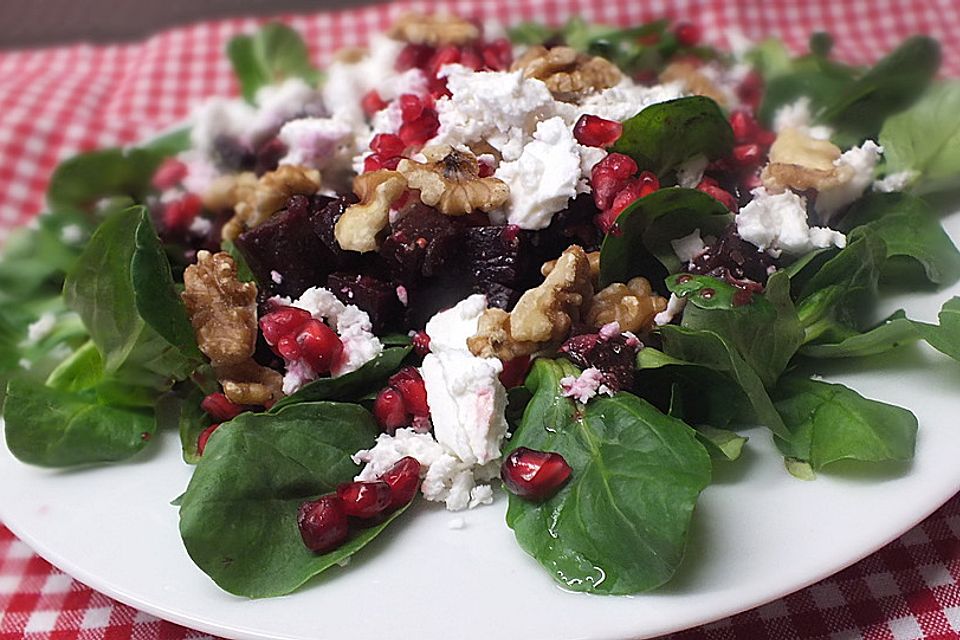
(758, 534)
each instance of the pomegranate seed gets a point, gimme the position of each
(419, 131)
(605, 187)
(510, 233)
(387, 145)
(219, 407)
(169, 174)
(372, 163)
(515, 372)
(409, 384)
(287, 347)
(534, 475)
(411, 107)
(765, 138)
(485, 169)
(391, 163)
(180, 213)
(643, 185)
(747, 155)
(497, 55)
(282, 321)
(320, 346)
(725, 197)
(323, 524)
(413, 56)
(404, 480)
(364, 499)
(750, 90)
(390, 410)
(620, 166)
(593, 131)
(421, 343)
(605, 220)
(688, 34)
(743, 125)
(371, 102)
(448, 54)
(471, 58)
(204, 436)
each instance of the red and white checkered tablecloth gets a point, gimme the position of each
(55, 102)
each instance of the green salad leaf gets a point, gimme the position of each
(646, 227)
(54, 428)
(722, 444)
(620, 524)
(80, 181)
(945, 337)
(238, 517)
(273, 54)
(925, 139)
(829, 422)
(889, 334)
(665, 134)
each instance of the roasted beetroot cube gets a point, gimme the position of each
(615, 357)
(267, 156)
(284, 254)
(734, 259)
(421, 244)
(231, 155)
(377, 297)
(325, 212)
(573, 225)
(503, 262)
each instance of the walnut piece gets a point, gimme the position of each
(257, 203)
(693, 80)
(567, 72)
(227, 190)
(543, 315)
(361, 223)
(450, 181)
(250, 383)
(799, 161)
(434, 30)
(223, 312)
(593, 257)
(632, 305)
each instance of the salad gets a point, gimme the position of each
(565, 263)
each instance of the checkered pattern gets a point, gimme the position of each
(55, 102)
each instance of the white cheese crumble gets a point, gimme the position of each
(276, 277)
(859, 163)
(898, 181)
(675, 306)
(777, 223)
(689, 246)
(278, 103)
(72, 234)
(352, 325)
(449, 329)
(690, 172)
(584, 387)
(41, 328)
(796, 115)
(626, 99)
(200, 226)
(318, 142)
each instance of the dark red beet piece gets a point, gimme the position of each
(323, 524)
(375, 296)
(734, 259)
(534, 475)
(421, 244)
(503, 262)
(615, 357)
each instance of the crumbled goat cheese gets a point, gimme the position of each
(690, 172)
(402, 295)
(675, 306)
(584, 387)
(218, 117)
(445, 477)
(778, 222)
(352, 325)
(200, 226)
(348, 82)
(278, 103)
(72, 234)
(318, 142)
(895, 181)
(610, 330)
(688, 247)
(796, 115)
(627, 99)
(545, 176)
(201, 171)
(41, 328)
(861, 162)
(276, 277)
(24, 364)
(449, 329)
(727, 79)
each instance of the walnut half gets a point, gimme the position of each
(361, 223)
(223, 312)
(450, 181)
(567, 72)
(256, 203)
(434, 30)
(543, 315)
(693, 81)
(799, 161)
(632, 305)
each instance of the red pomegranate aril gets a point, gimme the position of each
(448, 54)
(413, 56)
(417, 132)
(372, 163)
(219, 407)
(371, 102)
(169, 174)
(645, 184)
(180, 213)
(746, 155)
(471, 58)
(743, 125)
(387, 145)
(618, 165)
(605, 187)
(750, 90)
(594, 131)
(515, 372)
(497, 55)
(320, 346)
(282, 321)
(391, 163)
(411, 107)
(364, 499)
(485, 169)
(287, 347)
(534, 475)
(411, 387)
(421, 343)
(404, 480)
(390, 410)
(764, 138)
(204, 437)
(711, 189)
(323, 524)
(688, 34)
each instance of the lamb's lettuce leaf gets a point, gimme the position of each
(620, 524)
(272, 54)
(238, 517)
